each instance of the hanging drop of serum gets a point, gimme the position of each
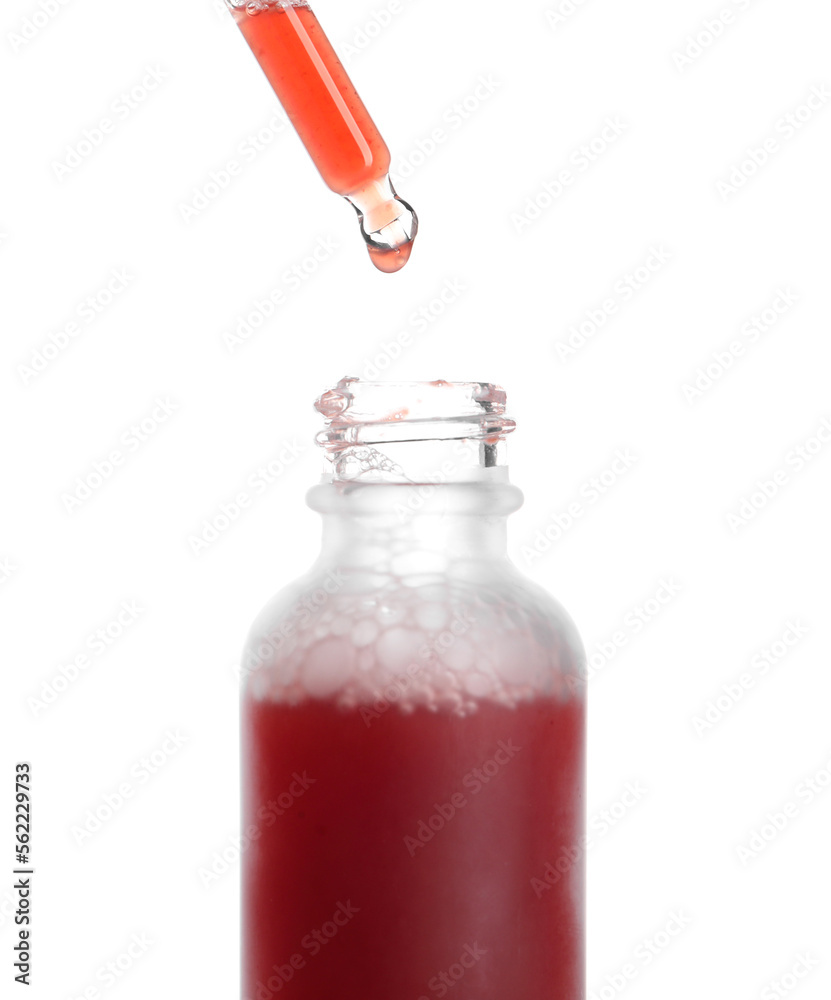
(331, 120)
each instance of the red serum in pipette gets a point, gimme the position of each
(331, 119)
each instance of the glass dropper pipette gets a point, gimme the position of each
(331, 120)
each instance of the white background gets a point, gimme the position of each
(731, 252)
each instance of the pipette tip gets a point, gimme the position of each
(388, 225)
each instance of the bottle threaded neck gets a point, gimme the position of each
(414, 432)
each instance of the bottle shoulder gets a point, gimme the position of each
(475, 630)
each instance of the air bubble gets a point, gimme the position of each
(341, 625)
(364, 633)
(459, 655)
(432, 617)
(398, 647)
(388, 615)
(327, 666)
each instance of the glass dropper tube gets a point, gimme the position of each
(331, 120)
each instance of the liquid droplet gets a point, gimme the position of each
(390, 259)
(331, 403)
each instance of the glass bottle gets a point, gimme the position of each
(413, 728)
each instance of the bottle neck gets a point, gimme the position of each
(416, 474)
(373, 525)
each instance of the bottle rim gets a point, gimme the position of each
(359, 412)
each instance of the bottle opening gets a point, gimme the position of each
(414, 432)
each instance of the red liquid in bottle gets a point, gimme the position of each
(331, 119)
(397, 850)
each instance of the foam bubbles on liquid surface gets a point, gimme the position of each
(443, 645)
